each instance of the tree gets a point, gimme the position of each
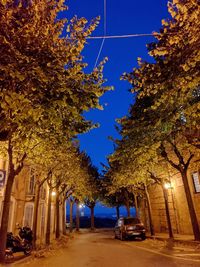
(43, 89)
(91, 193)
(167, 98)
(172, 81)
(181, 163)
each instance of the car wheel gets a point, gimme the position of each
(143, 237)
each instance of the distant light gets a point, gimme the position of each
(82, 213)
(81, 206)
(53, 193)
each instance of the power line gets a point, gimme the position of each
(99, 53)
(103, 38)
(122, 36)
(105, 11)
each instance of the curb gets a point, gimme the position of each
(35, 254)
(178, 242)
(18, 261)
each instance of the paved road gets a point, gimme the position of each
(102, 250)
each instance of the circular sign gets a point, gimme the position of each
(2, 175)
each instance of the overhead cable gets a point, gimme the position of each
(99, 53)
(122, 36)
(103, 38)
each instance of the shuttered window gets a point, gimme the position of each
(28, 215)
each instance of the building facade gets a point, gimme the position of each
(22, 201)
(178, 208)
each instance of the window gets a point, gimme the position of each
(28, 215)
(31, 184)
(42, 220)
(196, 181)
(131, 221)
(42, 192)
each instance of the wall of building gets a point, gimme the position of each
(178, 208)
(22, 203)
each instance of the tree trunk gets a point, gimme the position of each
(128, 209)
(35, 215)
(64, 215)
(144, 204)
(193, 216)
(48, 231)
(136, 206)
(92, 217)
(165, 194)
(71, 216)
(77, 216)
(117, 212)
(7, 196)
(149, 211)
(57, 213)
(5, 213)
(127, 203)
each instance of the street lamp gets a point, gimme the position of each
(167, 185)
(81, 206)
(53, 193)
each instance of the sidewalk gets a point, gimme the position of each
(179, 240)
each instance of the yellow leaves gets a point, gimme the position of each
(164, 22)
(19, 76)
(160, 51)
(166, 94)
(185, 67)
(175, 2)
(4, 2)
(34, 67)
(171, 11)
(139, 61)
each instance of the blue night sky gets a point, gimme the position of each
(123, 17)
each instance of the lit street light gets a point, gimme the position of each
(168, 185)
(81, 206)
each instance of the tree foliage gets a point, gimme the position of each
(163, 123)
(44, 88)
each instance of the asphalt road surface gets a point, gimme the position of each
(100, 249)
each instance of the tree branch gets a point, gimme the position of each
(165, 156)
(177, 153)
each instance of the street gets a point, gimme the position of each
(100, 249)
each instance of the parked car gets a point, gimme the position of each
(67, 224)
(127, 227)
